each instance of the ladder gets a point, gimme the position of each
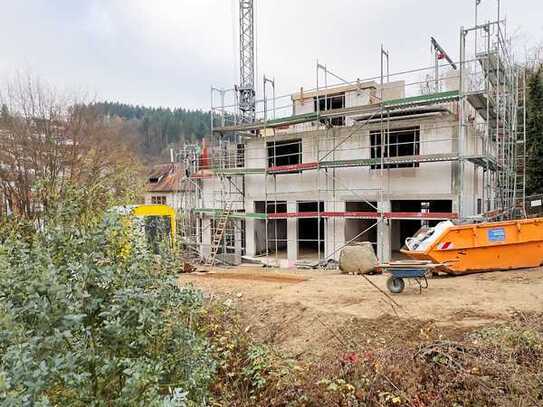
(218, 235)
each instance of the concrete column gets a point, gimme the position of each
(198, 228)
(456, 185)
(334, 230)
(383, 234)
(455, 204)
(292, 234)
(250, 241)
(205, 248)
(237, 237)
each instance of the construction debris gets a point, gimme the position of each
(327, 264)
(358, 258)
(303, 264)
(250, 260)
(188, 268)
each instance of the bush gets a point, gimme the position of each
(81, 325)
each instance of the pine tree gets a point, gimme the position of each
(155, 130)
(534, 133)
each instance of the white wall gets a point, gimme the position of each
(216, 192)
(432, 180)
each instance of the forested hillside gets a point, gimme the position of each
(155, 130)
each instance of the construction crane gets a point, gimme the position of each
(247, 94)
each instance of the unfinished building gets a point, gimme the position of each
(364, 160)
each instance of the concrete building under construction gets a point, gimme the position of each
(300, 176)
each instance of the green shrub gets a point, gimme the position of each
(81, 325)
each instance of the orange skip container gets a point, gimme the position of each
(477, 247)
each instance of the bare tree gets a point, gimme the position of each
(50, 142)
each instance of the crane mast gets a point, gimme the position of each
(247, 94)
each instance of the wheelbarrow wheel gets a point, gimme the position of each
(395, 285)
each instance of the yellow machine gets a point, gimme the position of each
(157, 216)
(156, 222)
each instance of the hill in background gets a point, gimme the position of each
(155, 130)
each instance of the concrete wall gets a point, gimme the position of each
(428, 181)
(437, 135)
(355, 95)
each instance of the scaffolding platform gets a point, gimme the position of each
(269, 124)
(367, 215)
(422, 100)
(480, 100)
(333, 214)
(407, 159)
(479, 160)
(429, 99)
(235, 215)
(239, 171)
(483, 161)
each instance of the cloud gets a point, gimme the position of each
(169, 52)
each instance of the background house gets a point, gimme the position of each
(165, 185)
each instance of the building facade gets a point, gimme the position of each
(303, 191)
(366, 160)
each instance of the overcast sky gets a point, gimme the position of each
(169, 52)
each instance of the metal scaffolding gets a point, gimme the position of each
(485, 119)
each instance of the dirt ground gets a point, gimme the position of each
(306, 312)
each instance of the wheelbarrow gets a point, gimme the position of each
(401, 270)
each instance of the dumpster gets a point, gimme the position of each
(477, 247)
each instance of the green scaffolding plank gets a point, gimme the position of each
(299, 118)
(439, 97)
(239, 171)
(482, 161)
(284, 121)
